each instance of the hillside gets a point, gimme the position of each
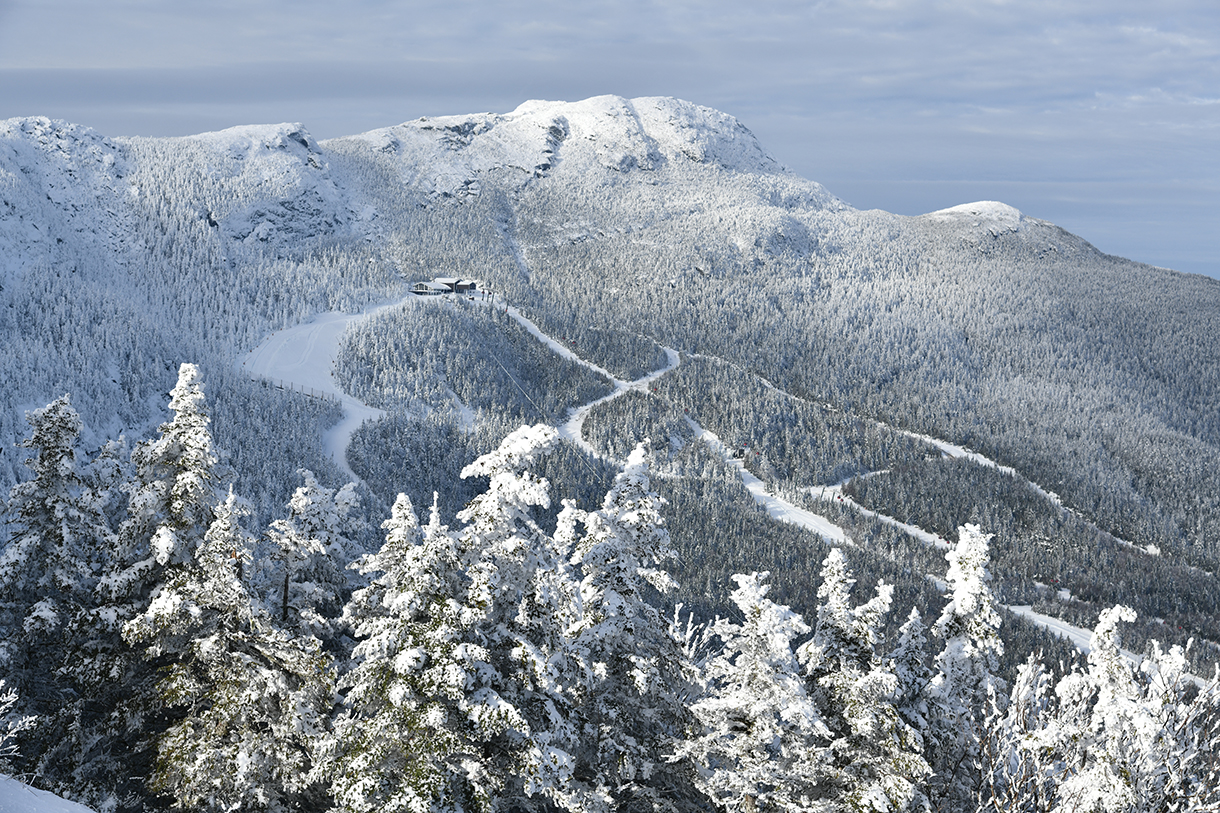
(821, 338)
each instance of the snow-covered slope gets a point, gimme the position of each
(446, 155)
(16, 797)
(62, 193)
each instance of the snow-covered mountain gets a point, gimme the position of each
(646, 270)
(620, 226)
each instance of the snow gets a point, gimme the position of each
(989, 212)
(17, 797)
(445, 156)
(953, 450)
(835, 494)
(558, 348)
(303, 357)
(779, 508)
(1079, 636)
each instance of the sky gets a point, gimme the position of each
(1102, 116)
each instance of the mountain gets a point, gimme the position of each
(819, 341)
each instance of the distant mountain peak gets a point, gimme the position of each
(990, 211)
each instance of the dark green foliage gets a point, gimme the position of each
(490, 362)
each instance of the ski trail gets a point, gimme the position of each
(779, 508)
(573, 427)
(303, 356)
(1080, 637)
(559, 349)
(835, 494)
(947, 449)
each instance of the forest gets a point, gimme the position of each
(169, 657)
(973, 367)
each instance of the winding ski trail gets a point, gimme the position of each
(777, 507)
(303, 357)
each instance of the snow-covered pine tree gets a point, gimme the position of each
(170, 506)
(313, 547)
(518, 696)
(966, 683)
(872, 759)
(409, 739)
(757, 732)
(48, 577)
(249, 703)
(48, 568)
(178, 484)
(1019, 773)
(909, 663)
(1133, 739)
(630, 702)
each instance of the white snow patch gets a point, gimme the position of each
(304, 357)
(992, 213)
(17, 797)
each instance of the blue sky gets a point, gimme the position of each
(1102, 116)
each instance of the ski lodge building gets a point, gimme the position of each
(446, 285)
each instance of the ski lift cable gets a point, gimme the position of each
(542, 412)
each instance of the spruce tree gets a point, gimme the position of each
(524, 586)
(313, 548)
(630, 692)
(48, 580)
(871, 759)
(757, 729)
(170, 507)
(909, 663)
(249, 702)
(410, 737)
(966, 683)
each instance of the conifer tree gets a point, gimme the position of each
(49, 567)
(630, 701)
(966, 683)
(518, 696)
(756, 739)
(1019, 773)
(170, 507)
(410, 738)
(250, 703)
(178, 480)
(871, 758)
(313, 548)
(909, 663)
(48, 579)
